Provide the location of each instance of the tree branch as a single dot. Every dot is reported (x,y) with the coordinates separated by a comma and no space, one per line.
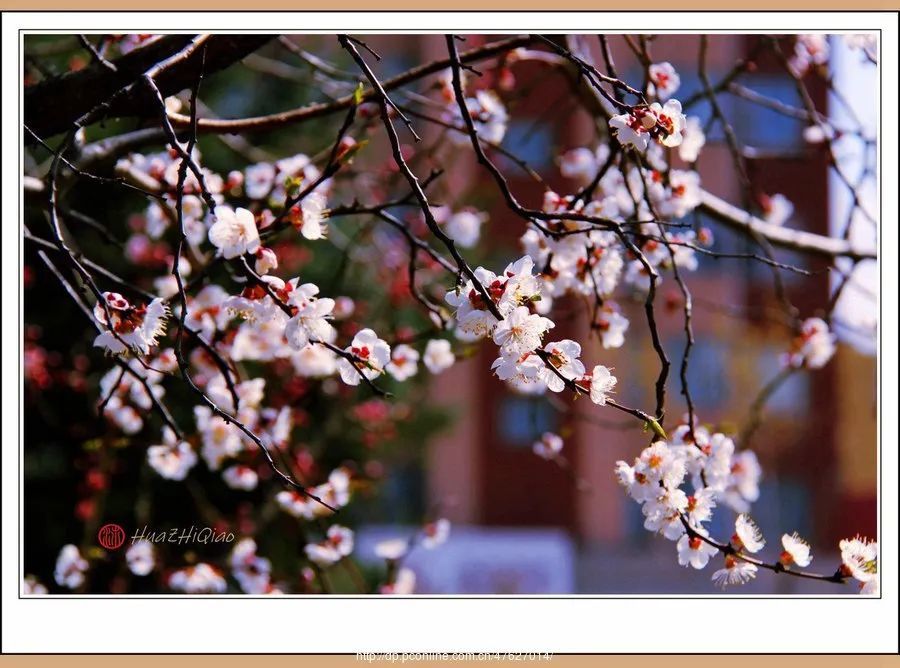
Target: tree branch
(783,237)
(87,88)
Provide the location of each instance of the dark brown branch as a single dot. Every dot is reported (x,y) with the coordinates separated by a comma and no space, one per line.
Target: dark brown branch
(319,110)
(87,88)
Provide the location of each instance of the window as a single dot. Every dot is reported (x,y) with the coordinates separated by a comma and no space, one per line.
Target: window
(530,140)
(762,127)
(522,420)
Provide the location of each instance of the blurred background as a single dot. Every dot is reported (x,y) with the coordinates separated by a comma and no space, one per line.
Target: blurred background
(459,445)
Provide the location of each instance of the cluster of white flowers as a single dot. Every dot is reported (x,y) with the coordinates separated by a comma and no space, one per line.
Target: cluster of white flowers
(127,398)
(272,183)
(714,473)
(233,231)
(159,172)
(515,287)
(587,263)
(810,51)
(393,550)
(31,586)
(748,539)
(524,361)
(335,492)
(661,123)
(289,320)
(338,544)
(220,440)
(252,572)
(581,259)
(677,481)
(173,459)
(488,114)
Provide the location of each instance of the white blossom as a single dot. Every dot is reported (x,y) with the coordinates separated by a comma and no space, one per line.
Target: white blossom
(404,583)
(693,140)
(199,579)
(31,586)
(665,79)
(392,549)
(341,538)
(259,180)
(404,362)
(234,233)
(612,326)
(312,215)
(371,355)
(310,319)
(240,477)
(296,504)
(520,332)
(464,227)
(747,535)
(859,559)
(814,346)
(694,551)
(633,129)
(700,505)
(736,572)
(330,551)
(438,356)
(796,551)
(266,261)
(670,122)
(659,463)
(777,209)
(127,327)
(548,447)
(70,568)
(662,514)
(602,384)
(173,459)
(250,570)
(140,557)
(435,533)
(563,364)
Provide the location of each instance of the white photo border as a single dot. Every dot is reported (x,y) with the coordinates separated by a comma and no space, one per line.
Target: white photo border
(528,623)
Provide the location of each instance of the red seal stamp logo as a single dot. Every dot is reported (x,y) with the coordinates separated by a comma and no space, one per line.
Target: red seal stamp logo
(111,536)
